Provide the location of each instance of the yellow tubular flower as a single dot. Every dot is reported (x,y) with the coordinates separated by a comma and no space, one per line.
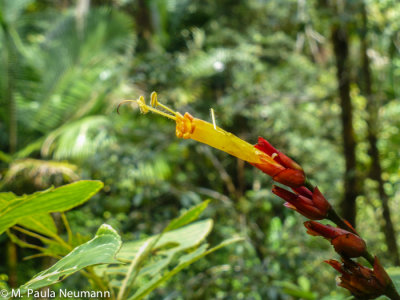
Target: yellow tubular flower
(188,127)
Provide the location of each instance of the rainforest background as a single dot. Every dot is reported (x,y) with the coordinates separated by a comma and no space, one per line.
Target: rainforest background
(318,79)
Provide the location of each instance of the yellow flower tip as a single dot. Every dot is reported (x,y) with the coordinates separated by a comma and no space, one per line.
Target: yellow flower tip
(144,109)
(184,125)
(154,101)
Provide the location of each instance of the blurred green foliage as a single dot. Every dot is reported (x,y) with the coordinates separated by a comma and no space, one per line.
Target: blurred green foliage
(265,67)
(129,270)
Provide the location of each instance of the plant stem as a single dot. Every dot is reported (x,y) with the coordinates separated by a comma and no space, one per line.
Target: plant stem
(335,218)
(96,279)
(67,227)
(369,257)
(32,234)
(133,269)
(309,185)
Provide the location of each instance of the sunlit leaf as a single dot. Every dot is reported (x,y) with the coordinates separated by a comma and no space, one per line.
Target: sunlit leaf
(188,217)
(43,223)
(184,262)
(183,238)
(100,250)
(13,210)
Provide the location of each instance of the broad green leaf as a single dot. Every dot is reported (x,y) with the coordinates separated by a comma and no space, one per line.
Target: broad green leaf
(184,262)
(100,250)
(155,268)
(173,241)
(189,216)
(172,245)
(168,245)
(5,198)
(14,210)
(151,269)
(40,223)
(163,247)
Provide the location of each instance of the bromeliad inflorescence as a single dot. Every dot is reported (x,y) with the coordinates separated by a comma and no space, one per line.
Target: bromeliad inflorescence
(306,199)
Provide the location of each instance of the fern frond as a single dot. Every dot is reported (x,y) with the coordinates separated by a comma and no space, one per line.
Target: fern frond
(79,139)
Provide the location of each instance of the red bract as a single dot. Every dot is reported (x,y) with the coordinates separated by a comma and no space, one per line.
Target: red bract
(361,281)
(311,205)
(287,172)
(345,243)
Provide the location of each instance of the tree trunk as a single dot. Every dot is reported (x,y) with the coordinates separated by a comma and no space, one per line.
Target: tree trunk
(372,124)
(8,74)
(341,51)
(12,259)
(10,60)
(144,25)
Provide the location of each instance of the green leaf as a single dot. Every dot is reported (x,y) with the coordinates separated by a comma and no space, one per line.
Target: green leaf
(189,216)
(163,248)
(5,198)
(155,268)
(14,209)
(167,246)
(181,239)
(184,262)
(79,139)
(100,250)
(43,223)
